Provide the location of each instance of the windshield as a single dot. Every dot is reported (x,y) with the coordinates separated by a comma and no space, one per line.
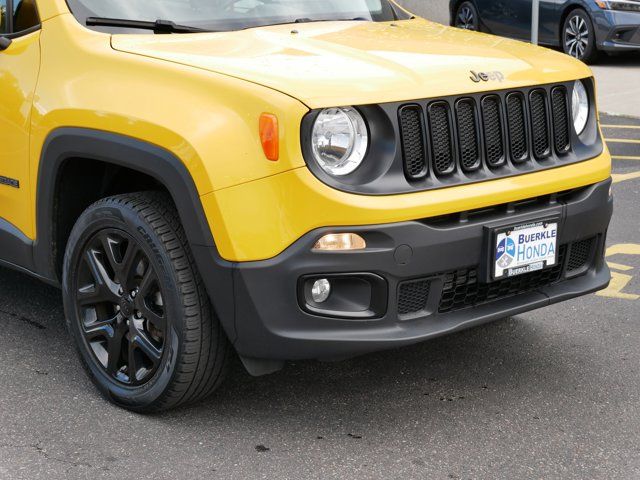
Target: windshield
(228,15)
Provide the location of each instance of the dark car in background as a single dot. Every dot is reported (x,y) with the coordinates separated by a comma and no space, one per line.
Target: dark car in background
(583,28)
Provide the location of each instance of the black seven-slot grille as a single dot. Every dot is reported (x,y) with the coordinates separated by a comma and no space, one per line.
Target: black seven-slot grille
(493,131)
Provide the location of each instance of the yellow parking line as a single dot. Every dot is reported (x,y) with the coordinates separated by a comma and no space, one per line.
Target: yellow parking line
(619,282)
(621,177)
(625,157)
(623,127)
(619,266)
(622,140)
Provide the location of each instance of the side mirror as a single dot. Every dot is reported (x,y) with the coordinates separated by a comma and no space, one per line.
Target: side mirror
(5,43)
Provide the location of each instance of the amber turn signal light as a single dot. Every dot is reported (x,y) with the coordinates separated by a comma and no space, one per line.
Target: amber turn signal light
(270,136)
(336,242)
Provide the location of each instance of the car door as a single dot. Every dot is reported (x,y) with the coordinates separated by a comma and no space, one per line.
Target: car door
(498,16)
(521,17)
(19,67)
(550,19)
(512,18)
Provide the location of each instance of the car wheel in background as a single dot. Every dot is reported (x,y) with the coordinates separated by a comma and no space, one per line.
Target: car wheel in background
(579,38)
(467,17)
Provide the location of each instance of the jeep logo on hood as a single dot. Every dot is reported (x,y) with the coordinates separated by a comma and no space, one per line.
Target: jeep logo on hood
(486,76)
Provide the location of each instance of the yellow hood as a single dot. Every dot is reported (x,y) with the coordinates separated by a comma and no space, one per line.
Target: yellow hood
(355,63)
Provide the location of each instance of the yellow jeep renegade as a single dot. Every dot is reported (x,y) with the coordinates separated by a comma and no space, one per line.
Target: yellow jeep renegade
(286,179)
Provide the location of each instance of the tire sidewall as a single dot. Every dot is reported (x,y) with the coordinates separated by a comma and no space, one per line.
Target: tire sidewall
(94,219)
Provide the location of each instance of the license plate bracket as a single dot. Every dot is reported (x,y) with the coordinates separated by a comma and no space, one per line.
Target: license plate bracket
(522,248)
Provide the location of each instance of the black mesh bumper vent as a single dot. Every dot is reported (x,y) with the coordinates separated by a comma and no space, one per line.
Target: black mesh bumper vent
(413,296)
(462,288)
(441,135)
(580,256)
(413,142)
(561,132)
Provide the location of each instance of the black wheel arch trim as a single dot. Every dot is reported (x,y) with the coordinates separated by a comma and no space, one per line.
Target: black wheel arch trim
(67,143)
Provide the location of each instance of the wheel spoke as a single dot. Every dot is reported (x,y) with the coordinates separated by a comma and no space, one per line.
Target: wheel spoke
(148,280)
(132,364)
(158,320)
(115,349)
(105,289)
(126,269)
(575,24)
(144,344)
(92,295)
(108,244)
(101,328)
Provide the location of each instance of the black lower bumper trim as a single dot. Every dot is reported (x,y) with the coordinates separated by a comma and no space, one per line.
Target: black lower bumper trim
(270,323)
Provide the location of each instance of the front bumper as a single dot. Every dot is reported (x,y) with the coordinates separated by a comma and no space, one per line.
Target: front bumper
(618,31)
(444,252)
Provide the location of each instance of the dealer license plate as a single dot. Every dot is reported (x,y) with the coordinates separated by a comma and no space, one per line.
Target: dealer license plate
(525,248)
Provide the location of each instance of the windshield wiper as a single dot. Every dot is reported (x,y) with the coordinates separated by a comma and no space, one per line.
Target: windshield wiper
(311,20)
(159,26)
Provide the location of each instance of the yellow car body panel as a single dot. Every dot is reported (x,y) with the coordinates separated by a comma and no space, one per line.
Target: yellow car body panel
(287,206)
(200,96)
(380,62)
(134,170)
(208,121)
(18,75)
(50,8)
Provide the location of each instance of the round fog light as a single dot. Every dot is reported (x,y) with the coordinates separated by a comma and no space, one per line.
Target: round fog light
(321,290)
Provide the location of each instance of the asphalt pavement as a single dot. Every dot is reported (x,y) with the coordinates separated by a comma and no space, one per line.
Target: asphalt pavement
(550,394)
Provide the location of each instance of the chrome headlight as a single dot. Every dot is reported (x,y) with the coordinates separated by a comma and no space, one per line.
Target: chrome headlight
(580,107)
(339,140)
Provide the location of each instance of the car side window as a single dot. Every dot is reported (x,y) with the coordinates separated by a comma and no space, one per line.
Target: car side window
(3,16)
(25,15)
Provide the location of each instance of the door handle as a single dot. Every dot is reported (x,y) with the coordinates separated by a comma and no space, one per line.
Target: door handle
(5,42)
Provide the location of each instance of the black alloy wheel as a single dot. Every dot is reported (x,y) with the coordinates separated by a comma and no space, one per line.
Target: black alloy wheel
(136,307)
(578,37)
(121,307)
(467,17)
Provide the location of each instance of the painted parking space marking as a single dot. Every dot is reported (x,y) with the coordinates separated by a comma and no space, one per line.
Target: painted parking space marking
(618,288)
(623,140)
(621,127)
(623,177)
(622,135)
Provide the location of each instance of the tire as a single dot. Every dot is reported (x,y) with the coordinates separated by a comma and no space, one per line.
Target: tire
(136,307)
(579,37)
(467,17)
